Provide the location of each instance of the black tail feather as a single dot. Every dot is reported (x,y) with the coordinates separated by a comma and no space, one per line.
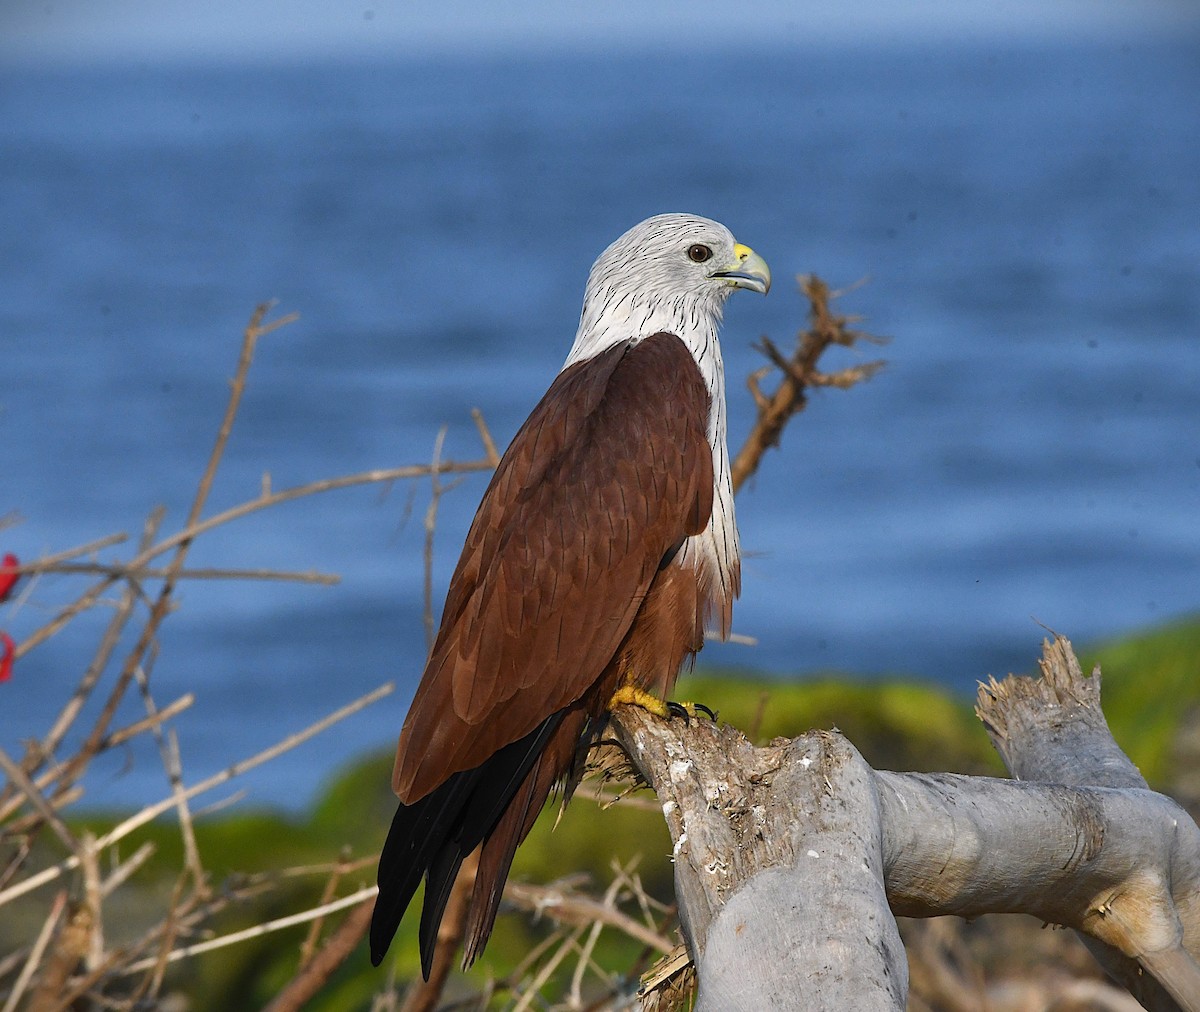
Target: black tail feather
(439,883)
(431,837)
(418,832)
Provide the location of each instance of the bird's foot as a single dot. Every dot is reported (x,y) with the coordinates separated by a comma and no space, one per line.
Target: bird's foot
(689,710)
(664,708)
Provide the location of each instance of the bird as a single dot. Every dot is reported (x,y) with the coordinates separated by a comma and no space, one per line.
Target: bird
(605,541)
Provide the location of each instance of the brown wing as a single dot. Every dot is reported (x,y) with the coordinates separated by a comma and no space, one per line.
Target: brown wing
(608,475)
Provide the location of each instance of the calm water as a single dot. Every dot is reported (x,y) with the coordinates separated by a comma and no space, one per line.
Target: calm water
(1029,222)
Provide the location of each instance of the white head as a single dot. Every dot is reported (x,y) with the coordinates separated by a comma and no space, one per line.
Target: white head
(672,272)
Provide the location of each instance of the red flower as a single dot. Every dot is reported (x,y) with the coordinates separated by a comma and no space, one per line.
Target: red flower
(9,575)
(6,656)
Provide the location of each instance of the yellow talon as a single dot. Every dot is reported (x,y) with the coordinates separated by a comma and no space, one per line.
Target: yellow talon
(666,709)
(634,696)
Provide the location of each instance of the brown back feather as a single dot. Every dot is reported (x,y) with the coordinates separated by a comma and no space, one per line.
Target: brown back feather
(607,475)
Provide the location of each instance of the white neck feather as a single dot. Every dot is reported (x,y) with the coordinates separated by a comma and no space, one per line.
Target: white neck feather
(608,320)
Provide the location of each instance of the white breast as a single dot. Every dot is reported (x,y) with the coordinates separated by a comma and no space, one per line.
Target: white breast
(717,549)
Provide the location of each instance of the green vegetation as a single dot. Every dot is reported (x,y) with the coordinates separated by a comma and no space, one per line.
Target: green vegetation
(1151,684)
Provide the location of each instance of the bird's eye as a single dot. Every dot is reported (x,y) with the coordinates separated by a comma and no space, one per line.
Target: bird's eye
(699,253)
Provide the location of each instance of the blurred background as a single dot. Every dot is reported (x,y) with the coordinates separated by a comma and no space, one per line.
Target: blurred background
(1017,188)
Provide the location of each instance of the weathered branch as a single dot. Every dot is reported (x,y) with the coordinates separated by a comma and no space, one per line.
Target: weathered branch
(778,866)
(787,857)
(1052,729)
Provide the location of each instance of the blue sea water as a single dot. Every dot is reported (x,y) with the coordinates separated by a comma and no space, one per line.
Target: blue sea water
(1025,221)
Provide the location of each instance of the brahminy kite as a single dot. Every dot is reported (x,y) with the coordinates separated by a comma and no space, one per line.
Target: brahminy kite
(603,542)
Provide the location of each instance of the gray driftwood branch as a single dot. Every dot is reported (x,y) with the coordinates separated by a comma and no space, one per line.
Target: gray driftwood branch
(791,860)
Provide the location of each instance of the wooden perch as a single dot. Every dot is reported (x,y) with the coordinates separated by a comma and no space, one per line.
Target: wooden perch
(791,860)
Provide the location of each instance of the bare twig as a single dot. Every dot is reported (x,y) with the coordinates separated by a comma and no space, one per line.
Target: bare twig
(575,994)
(305,985)
(262,502)
(437,490)
(799,372)
(571,907)
(485,436)
(309,946)
(115,738)
(171,926)
(123,734)
(17,776)
(45,562)
(254,330)
(39,752)
(237,769)
(69,949)
(93,898)
(168,748)
(191,849)
(81,963)
(258,930)
(123,871)
(430,526)
(570,943)
(121,572)
(36,953)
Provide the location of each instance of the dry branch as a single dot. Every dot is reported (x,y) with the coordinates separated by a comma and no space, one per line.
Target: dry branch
(1052,729)
(36,954)
(314,975)
(568,906)
(787,857)
(119,572)
(255,329)
(278,924)
(82,961)
(150,812)
(265,500)
(70,947)
(797,374)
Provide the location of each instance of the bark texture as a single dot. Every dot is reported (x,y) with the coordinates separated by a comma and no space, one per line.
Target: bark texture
(791,859)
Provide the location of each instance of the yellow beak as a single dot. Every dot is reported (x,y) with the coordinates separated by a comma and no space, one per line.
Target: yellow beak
(748,270)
